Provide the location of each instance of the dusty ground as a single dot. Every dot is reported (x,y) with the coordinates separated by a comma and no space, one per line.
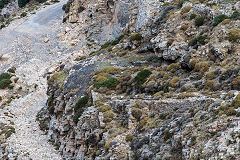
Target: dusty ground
(31,45)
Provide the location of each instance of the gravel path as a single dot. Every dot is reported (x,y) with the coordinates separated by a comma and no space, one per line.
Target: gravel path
(22,44)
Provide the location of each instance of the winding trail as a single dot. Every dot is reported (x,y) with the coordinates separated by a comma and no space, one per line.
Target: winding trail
(22,44)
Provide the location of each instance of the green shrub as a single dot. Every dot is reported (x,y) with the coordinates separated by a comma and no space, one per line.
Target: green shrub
(105,45)
(2,26)
(218,19)
(142,76)
(5,83)
(192,16)
(109,83)
(180,3)
(201,39)
(11,70)
(3,3)
(24,14)
(199,21)
(22,3)
(79,108)
(235,15)
(66,7)
(5,76)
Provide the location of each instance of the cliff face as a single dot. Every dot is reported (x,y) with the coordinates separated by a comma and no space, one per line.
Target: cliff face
(162,81)
(108,19)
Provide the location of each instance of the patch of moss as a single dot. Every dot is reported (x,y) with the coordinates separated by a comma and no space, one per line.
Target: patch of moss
(142,76)
(218,19)
(109,83)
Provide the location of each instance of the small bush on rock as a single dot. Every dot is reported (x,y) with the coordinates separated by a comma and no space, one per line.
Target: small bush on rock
(218,19)
(79,108)
(12,70)
(109,83)
(199,21)
(112,43)
(5,83)
(66,7)
(3,3)
(192,16)
(5,76)
(180,3)
(142,76)
(22,3)
(235,15)
(24,14)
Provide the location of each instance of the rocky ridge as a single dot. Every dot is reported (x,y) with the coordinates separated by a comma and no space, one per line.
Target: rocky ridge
(160,81)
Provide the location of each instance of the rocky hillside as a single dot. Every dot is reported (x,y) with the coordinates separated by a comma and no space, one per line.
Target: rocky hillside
(155,80)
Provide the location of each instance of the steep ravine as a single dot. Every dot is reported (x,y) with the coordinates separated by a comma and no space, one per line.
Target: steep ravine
(31,46)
